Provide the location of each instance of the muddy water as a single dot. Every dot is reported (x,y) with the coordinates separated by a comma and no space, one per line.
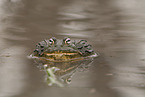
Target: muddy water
(114,28)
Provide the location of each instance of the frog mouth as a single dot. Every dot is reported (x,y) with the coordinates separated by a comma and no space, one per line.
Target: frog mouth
(61,56)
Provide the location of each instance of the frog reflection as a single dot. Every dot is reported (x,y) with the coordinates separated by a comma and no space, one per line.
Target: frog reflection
(62,72)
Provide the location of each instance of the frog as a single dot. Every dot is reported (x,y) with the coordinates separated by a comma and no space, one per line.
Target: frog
(63,50)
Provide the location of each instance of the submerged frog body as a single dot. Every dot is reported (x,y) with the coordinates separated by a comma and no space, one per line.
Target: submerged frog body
(56,50)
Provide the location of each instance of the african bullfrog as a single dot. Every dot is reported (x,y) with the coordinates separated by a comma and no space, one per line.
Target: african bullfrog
(64,50)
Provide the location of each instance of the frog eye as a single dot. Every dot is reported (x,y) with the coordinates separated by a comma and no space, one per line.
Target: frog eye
(67,41)
(52,40)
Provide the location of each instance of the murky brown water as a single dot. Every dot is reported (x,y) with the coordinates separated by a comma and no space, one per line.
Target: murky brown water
(115,28)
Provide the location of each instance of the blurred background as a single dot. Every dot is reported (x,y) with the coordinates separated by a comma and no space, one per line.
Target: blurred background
(115,29)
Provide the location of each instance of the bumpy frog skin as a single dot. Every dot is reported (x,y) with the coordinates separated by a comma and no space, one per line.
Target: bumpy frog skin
(56,50)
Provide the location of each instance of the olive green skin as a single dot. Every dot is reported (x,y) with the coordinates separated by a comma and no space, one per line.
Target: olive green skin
(65,45)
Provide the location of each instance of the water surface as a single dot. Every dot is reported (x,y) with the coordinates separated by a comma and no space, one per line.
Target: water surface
(114,28)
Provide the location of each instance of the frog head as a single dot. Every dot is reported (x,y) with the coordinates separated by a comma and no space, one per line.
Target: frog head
(63,50)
